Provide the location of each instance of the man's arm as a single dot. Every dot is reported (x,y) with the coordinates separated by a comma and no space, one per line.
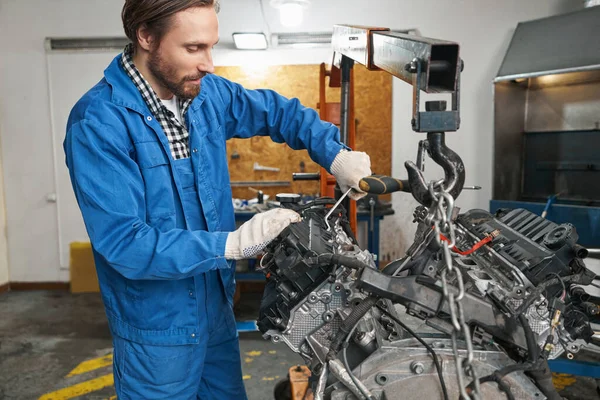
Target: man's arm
(266,113)
(110,191)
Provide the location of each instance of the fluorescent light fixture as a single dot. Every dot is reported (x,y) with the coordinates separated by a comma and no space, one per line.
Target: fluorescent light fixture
(291,12)
(250,41)
(301,40)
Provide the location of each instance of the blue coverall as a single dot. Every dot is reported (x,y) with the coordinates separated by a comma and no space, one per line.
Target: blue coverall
(158,226)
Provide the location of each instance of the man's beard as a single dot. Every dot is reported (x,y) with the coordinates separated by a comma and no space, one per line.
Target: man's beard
(164,73)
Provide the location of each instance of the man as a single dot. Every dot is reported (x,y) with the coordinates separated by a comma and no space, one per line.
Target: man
(147,159)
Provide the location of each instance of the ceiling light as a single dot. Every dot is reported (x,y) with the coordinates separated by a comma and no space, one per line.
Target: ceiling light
(301,40)
(250,41)
(291,12)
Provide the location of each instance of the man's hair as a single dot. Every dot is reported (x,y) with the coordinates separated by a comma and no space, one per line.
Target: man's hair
(156,15)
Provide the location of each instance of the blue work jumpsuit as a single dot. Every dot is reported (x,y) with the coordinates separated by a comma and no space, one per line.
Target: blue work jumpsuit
(158,226)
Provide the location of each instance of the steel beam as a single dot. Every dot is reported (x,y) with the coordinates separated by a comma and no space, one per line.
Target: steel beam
(398,53)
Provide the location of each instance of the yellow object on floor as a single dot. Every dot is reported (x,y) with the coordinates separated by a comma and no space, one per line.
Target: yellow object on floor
(82,268)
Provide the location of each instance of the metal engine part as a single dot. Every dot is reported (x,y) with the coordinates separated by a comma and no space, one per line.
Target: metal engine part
(303,304)
(406,367)
(318,277)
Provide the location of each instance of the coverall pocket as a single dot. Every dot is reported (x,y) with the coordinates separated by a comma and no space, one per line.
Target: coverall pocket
(155,366)
(216,162)
(158,179)
(150,155)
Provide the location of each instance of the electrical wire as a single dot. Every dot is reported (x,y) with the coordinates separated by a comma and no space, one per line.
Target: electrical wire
(595,285)
(475,247)
(429,349)
(527,302)
(564,294)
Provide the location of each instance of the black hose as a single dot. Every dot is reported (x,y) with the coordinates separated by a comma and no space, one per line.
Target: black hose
(436,361)
(543,379)
(501,385)
(357,313)
(505,388)
(501,373)
(532,347)
(533,354)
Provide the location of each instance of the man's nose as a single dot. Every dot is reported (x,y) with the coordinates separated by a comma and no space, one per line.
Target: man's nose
(207,64)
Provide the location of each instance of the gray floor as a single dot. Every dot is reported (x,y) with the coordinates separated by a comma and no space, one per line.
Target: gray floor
(45,335)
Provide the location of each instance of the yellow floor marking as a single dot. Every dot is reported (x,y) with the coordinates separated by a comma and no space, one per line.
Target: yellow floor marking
(272,351)
(254,353)
(561,381)
(246,377)
(80,389)
(248,360)
(90,365)
(268,378)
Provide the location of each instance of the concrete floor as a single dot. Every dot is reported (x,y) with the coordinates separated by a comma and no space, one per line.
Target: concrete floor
(46,335)
(56,346)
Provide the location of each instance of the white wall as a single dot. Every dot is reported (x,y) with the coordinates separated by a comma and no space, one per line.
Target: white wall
(482,27)
(3,243)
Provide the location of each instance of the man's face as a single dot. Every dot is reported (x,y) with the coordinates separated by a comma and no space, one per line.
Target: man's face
(184,55)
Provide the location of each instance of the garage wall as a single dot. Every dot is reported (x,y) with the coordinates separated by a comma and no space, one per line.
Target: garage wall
(482,27)
(3,243)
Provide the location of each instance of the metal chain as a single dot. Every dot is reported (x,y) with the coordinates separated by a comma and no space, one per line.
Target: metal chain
(440,216)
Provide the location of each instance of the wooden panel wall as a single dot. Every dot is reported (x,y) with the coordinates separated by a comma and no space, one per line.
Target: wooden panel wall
(373,98)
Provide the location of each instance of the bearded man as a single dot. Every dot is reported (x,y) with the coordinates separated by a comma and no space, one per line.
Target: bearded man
(146,152)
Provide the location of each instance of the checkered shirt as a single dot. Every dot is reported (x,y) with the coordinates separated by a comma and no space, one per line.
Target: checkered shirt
(176,132)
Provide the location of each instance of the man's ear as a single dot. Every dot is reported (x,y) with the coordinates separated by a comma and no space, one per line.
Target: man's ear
(145,39)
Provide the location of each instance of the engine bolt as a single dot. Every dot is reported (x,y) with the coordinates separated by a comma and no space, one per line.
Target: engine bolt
(417,367)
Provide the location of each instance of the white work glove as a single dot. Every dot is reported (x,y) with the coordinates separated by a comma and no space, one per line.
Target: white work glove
(254,235)
(349,167)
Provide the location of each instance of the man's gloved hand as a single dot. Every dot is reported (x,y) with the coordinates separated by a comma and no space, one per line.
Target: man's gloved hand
(349,167)
(254,235)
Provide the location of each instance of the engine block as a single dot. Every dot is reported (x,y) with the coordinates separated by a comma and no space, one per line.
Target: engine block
(513,263)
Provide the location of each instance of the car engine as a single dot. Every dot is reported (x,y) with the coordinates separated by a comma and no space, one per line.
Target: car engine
(327,301)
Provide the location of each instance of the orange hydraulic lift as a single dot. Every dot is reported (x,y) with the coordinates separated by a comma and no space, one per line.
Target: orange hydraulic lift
(331,112)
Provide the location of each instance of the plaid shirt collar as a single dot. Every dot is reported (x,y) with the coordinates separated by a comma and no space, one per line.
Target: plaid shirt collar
(144,87)
(176,132)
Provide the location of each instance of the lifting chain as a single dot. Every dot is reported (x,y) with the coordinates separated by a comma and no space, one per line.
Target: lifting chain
(440,216)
